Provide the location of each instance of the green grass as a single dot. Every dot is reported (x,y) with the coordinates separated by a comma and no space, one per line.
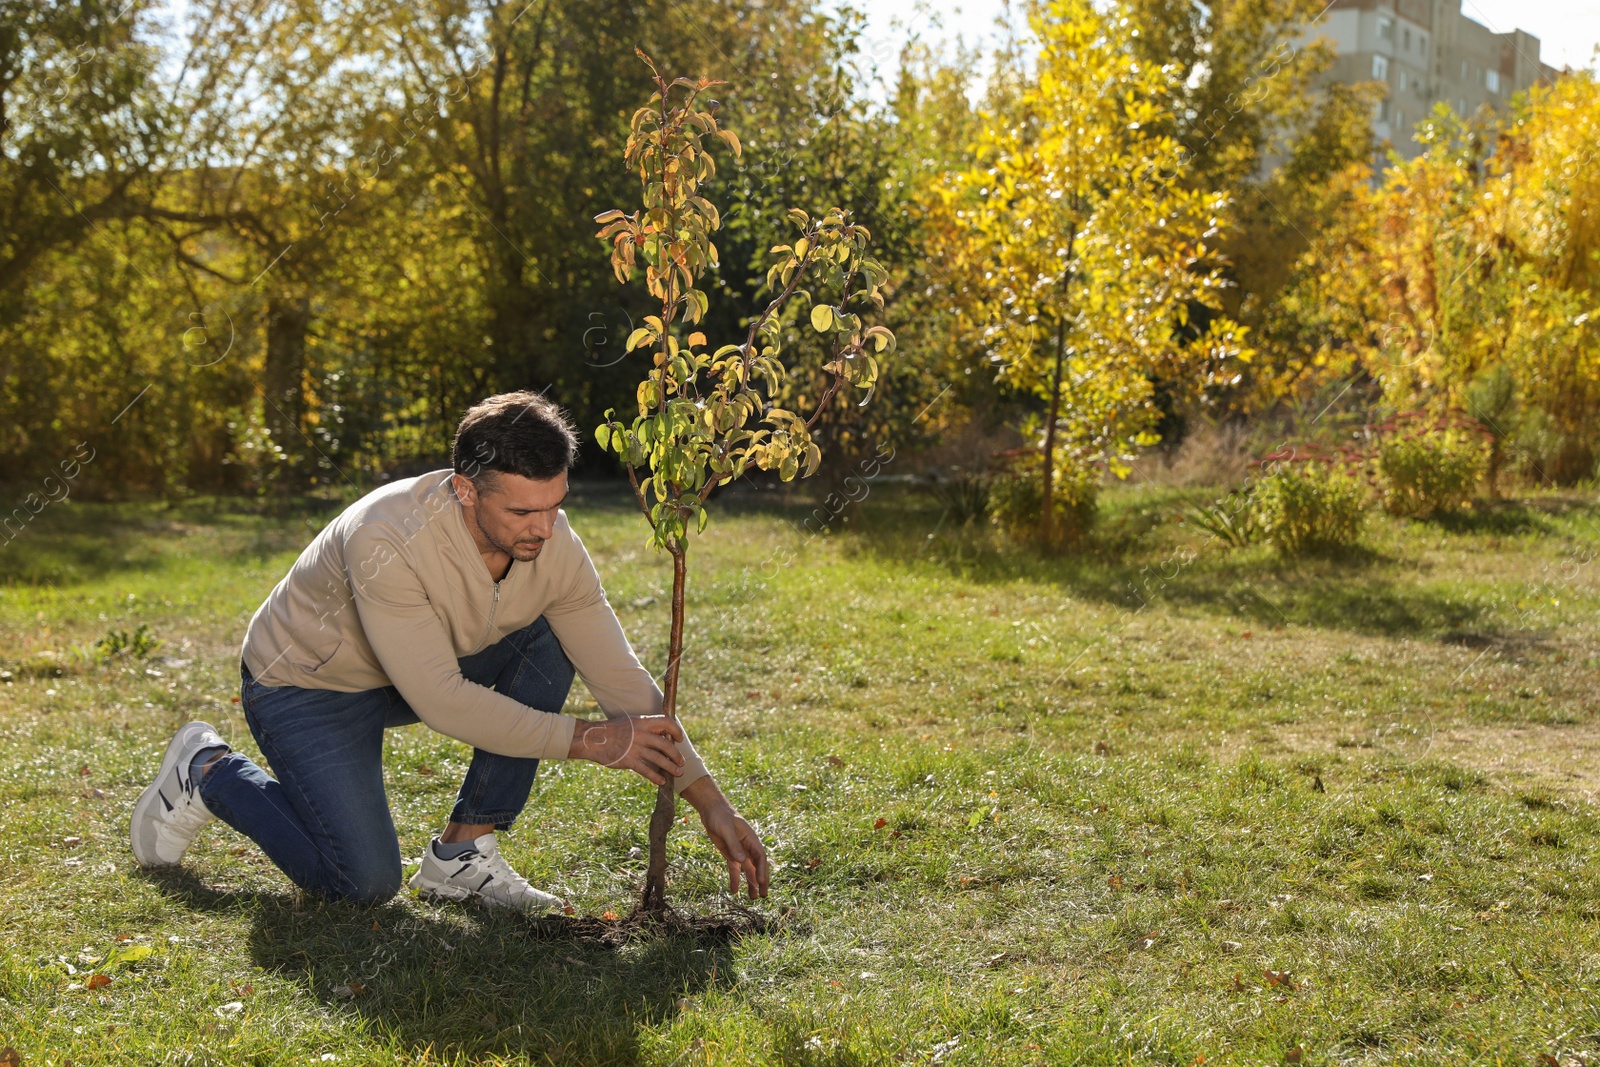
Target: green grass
(1114,791)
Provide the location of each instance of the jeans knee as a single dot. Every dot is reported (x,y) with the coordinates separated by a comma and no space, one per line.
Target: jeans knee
(368,883)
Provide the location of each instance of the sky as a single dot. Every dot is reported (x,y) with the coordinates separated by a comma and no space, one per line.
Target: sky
(1568,30)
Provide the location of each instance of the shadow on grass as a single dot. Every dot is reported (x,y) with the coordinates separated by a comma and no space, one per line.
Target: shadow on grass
(466,981)
(74,542)
(1356,590)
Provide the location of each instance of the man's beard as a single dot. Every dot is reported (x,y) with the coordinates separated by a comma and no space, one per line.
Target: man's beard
(521,555)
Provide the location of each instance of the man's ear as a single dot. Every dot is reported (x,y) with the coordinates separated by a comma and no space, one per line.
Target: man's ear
(466,491)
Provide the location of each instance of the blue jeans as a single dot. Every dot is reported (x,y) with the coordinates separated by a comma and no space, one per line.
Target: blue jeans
(325,820)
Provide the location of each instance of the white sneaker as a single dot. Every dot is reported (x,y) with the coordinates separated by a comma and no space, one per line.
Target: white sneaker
(170,812)
(480,874)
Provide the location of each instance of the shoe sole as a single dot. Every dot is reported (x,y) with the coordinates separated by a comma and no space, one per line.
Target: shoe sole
(459,895)
(152,796)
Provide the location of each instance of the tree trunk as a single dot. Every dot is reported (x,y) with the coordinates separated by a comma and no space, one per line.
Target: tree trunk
(654,901)
(1492,473)
(282,379)
(1047,498)
(1047,495)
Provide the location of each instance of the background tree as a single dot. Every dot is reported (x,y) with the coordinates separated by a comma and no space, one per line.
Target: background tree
(705,415)
(1078,257)
(1468,267)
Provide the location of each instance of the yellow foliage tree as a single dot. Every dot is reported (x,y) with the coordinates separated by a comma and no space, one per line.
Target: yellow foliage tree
(1467,265)
(1077,262)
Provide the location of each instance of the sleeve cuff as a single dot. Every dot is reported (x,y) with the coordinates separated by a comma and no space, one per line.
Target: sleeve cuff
(560,741)
(692,773)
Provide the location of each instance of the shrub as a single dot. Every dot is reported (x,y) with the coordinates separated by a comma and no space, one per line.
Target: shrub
(1311,507)
(1232,520)
(1433,472)
(964,497)
(1014,503)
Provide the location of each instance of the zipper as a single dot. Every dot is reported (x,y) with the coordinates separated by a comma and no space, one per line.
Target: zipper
(488,630)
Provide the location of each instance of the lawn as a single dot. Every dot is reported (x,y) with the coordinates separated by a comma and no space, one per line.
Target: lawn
(1164,802)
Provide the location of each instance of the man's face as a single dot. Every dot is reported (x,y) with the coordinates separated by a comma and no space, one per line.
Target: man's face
(513,514)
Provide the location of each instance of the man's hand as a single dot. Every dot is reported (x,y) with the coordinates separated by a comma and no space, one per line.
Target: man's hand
(734,837)
(643,743)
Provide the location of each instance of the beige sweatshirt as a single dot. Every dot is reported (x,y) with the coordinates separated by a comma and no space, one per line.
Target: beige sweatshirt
(393,592)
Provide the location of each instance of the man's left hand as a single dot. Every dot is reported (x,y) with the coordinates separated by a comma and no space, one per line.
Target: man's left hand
(734,837)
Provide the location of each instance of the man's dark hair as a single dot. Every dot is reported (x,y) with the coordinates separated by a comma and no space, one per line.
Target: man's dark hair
(514,433)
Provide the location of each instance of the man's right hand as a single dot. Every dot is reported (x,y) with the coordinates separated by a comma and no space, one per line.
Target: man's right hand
(646,744)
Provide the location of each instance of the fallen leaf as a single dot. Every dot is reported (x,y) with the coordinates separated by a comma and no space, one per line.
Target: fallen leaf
(1546,1060)
(84,770)
(1245,635)
(880,824)
(349,990)
(836,761)
(812,865)
(424,769)
(1115,881)
(96,981)
(1102,748)
(609,916)
(235,700)
(1102,807)
(1231,946)
(120,957)
(374,924)
(1283,978)
(569,910)
(10,1057)
(1238,984)
(1294,1054)
(1148,939)
(753,694)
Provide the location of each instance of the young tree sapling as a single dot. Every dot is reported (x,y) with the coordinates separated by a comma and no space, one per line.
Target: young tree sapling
(706,415)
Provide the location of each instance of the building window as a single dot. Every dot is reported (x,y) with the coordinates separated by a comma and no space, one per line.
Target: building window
(1400,120)
(1385,28)
(1404,85)
(1405,41)
(1422,44)
(1464,70)
(1380,68)
(1494,81)
(1383,111)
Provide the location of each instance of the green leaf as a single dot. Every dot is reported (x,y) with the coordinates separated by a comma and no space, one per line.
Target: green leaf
(602,435)
(127,954)
(822,318)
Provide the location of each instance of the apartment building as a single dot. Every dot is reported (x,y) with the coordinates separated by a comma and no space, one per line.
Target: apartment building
(1427,51)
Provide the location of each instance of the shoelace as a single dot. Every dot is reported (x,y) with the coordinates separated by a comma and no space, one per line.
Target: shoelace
(507,884)
(189,814)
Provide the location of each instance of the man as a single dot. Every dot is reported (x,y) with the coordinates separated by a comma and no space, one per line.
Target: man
(462,599)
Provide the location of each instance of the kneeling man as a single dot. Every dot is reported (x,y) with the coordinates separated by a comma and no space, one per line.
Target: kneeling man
(462,599)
